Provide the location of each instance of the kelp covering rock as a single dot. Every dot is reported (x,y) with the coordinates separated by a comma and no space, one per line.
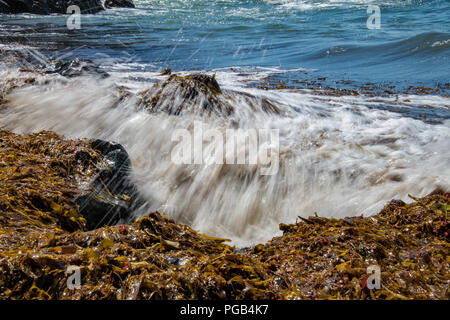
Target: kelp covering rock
(42,233)
(39,175)
(50,181)
(43,236)
(197,94)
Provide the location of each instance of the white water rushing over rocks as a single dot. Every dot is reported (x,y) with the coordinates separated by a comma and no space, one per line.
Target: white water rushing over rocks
(339,156)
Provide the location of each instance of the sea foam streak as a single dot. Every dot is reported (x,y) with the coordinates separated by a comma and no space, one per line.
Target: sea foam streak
(339,156)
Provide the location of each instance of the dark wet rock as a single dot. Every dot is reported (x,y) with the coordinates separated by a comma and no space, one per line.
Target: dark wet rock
(31,60)
(49,6)
(119,164)
(99,209)
(197,93)
(4,7)
(75,67)
(112,196)
(119,4)
(175,261)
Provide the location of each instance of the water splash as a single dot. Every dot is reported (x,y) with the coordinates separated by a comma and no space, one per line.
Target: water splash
(339,156)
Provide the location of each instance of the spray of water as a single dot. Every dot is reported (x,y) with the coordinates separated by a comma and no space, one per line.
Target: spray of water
(339,156)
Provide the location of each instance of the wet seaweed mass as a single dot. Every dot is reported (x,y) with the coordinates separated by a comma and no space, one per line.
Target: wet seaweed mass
(42,233)
(90,109)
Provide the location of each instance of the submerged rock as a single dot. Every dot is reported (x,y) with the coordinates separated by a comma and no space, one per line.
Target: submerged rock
(29,60)
(75,67)
(49,6)
(119,4)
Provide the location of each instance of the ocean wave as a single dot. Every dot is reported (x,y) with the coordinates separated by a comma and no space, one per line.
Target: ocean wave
(428,42)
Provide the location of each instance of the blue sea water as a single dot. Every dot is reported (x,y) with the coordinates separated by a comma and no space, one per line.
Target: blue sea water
(411,47)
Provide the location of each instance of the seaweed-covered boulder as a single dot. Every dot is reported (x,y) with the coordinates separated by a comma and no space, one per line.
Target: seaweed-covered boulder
(75,67)
(111,195)
(49,6)
(49,182)
(40,174)
(199,94)
(119,4)
(196,93)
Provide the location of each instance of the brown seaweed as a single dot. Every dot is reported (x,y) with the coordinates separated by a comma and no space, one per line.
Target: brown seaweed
(42,234)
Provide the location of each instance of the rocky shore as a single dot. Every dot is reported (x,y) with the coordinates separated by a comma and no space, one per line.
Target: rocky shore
(61,7)
(44,233)
(69,204)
